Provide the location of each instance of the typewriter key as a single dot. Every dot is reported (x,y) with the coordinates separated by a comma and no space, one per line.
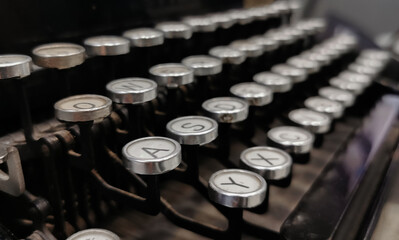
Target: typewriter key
(350,76)
(253,54)
(83,108)
(203,33)
(361,69)
(269,48)
(346,98)
(302,63)
(152,155)
(295,74)
(106,46)
(94,234)
(323,105)
(133,92)
(226,109)
(333,54)
(353,87)
(272,164)
(192,132)
(147,45)
(371,63)
(276,82)
(323,60)
(206,69)
(236,188)
(232,68)
(58,55)
(253,93)
(61,57)
(177,43)
(375,54)
(315,122)
(294,140)
(171,75)
(144,37)
(14,66)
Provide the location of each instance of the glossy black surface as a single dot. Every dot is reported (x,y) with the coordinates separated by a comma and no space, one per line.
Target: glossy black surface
(329,201)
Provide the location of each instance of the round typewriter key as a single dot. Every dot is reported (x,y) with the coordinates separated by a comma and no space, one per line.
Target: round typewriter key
(333,54)
(14,66)
(353,87)
(376,54)
(83,108)
(302,63)
(58,55)
(175,30)
(192,130)
(250,49)
(294,140)
(106,46)
(350,76)
(236,188)
(206,70)
(315,122)
(323,105)
(371,63)
(253,93)
(276,82)
(95,234)
(269,46)
(204,33)
(323,60)
(295,74)
(144,37)
(232,68)
(271,163)
(361,69)
(203,65)
(133,92)
(226,109)
(346,98)
(171,75)
(177,43)
(152,155)
(228,55)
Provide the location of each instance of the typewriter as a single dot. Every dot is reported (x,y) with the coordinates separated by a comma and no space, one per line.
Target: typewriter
(190,120)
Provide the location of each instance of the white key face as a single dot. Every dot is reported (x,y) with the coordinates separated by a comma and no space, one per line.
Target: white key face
(275,81)
(131,85)
(202,61)
(225,105)
(375,54)
(302,63)
(58,50)
(94,234)
(170,70)
(249,48)
(336,94)
(106,41)
(173,27)
(354,87)
(290,135)
(265,157)
(250,90)
(370,63)
(308,117)
(9,60)
(150,149)
(192,125)
(266,43)
(237,182)
(363,69)
(88,102)
(324,105)
(296,74)
(143,33)
(355,77)
(228,54)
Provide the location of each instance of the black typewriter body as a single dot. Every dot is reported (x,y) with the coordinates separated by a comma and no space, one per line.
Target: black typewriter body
(75,175)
